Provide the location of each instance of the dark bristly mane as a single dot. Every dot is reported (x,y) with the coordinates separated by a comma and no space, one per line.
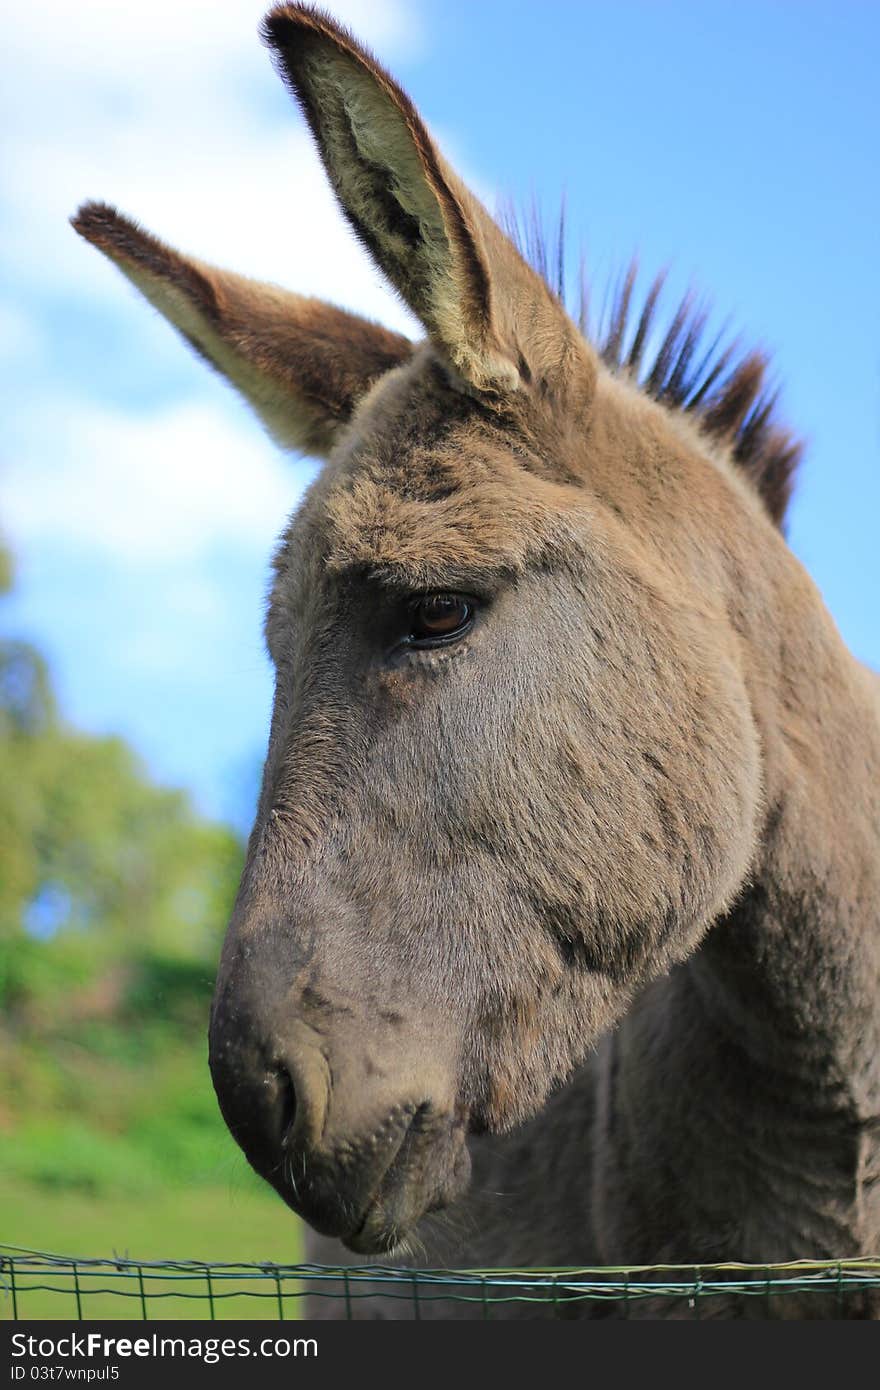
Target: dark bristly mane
(724,389)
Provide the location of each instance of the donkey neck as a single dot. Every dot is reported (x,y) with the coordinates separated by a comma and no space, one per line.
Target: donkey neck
(794,968)
(745,1086)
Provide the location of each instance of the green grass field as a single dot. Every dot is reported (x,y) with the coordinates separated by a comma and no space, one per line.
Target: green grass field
(114,893)
(224,1223)
(112,1146)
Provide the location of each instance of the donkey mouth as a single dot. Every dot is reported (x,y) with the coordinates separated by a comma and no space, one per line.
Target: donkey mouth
(375,1235)
(426,1167)
(403,1199)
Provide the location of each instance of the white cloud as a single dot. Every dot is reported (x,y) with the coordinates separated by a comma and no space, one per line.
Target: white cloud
(125,45)
(20,338)
(174,114)
(149,489)
(144,533)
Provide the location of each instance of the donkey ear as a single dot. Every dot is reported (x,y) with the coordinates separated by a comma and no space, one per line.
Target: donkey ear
(302,364)
(493,318)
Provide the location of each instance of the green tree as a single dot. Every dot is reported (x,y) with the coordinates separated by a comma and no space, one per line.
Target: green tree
(114,895)
(90,848)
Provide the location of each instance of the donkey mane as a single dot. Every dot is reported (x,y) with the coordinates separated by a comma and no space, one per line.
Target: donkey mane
(724,390)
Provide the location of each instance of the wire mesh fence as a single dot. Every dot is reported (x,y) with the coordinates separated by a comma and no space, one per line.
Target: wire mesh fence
(38,1284)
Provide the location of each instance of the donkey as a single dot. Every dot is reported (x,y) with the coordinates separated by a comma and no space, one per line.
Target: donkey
(559,913)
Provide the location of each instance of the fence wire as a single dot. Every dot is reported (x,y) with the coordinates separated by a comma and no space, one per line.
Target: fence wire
(39,1284)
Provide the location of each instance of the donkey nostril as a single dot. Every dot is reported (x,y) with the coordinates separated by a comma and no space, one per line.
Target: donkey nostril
(280,1083)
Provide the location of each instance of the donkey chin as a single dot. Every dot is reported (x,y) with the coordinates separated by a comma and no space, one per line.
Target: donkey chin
(371,1193)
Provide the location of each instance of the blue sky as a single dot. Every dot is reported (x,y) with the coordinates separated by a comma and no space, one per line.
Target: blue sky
(735,143)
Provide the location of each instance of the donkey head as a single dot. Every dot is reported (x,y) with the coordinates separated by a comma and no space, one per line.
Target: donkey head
(512,772)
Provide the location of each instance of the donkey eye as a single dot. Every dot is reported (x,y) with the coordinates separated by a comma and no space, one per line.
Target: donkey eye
(438,618)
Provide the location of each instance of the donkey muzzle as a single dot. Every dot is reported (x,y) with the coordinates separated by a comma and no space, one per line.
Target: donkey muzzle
(356,1127)
(372,1188)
